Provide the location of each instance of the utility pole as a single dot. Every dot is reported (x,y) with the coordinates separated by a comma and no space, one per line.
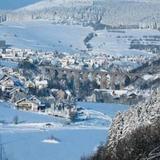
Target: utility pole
(1,149)
(3,155)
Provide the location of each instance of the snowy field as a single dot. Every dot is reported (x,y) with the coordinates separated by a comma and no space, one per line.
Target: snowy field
(28,140)
(43,35)
(117,42)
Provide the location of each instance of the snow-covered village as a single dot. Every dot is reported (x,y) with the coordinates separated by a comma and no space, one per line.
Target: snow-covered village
(79,80)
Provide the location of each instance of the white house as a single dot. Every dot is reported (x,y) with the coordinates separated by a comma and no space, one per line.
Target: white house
(40,84)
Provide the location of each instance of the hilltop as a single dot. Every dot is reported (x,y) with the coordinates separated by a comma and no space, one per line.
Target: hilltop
(121,13)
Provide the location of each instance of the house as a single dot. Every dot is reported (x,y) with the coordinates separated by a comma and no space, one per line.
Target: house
(46,102)
(61,94)
(2,75)
(41,104)
(56,62)
(16,94)
(63,109)
(40,84)
(132,96)
(68,95)
(34,99)
(26,104)
(6,83)
(29,84)
(91,98)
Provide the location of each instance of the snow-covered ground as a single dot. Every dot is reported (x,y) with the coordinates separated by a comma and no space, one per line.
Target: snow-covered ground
(46,4)
(44,35)
(117,42)
(30,138)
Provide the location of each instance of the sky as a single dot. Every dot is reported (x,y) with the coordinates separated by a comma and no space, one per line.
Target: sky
(14,4)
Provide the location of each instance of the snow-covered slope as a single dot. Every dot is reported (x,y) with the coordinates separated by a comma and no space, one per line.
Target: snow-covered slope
(60,11)
(15,4)
(70,38)
(115,13)
(46,4)
(109,12)
(135,133)
(53,3)
(62,38)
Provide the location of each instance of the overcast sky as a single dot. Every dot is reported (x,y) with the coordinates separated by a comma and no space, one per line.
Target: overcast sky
(13,4)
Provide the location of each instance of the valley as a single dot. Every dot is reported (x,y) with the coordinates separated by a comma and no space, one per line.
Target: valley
(75,74)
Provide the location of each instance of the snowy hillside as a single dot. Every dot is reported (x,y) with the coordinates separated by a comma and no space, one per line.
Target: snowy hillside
(72,3)
(10,4)
(43,35)
(46,4)
(134,134)
(91,12)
